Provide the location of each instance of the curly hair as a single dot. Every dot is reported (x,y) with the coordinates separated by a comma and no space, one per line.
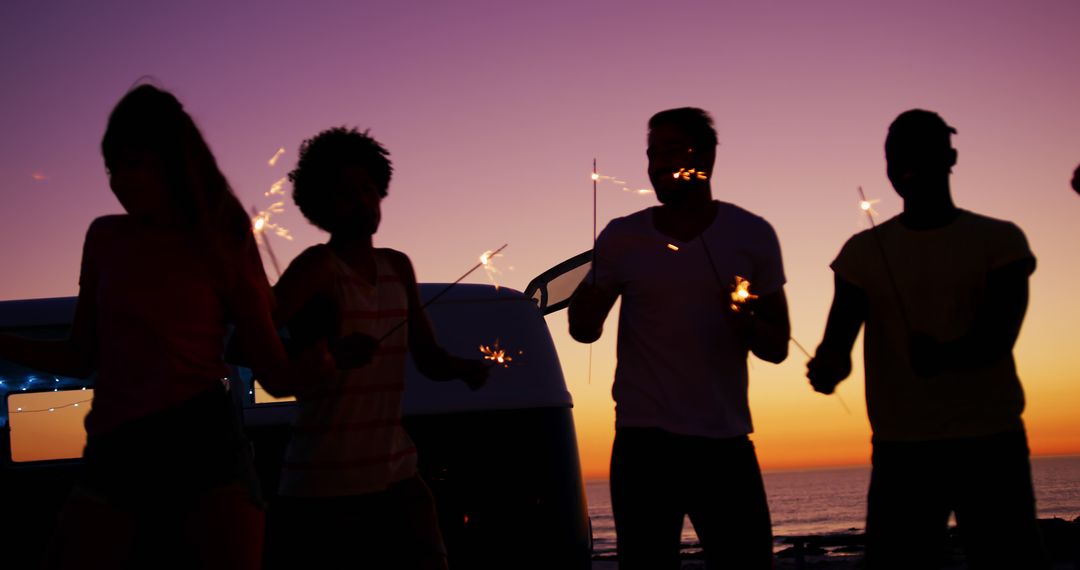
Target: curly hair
(321,159)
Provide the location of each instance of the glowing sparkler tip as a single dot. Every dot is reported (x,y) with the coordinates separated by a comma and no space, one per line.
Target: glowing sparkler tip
(741,294)
(673,247)
(595,176)
(496,354)
(865,205)
(677,174)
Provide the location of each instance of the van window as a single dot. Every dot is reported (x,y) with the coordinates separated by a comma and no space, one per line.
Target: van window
(48,425)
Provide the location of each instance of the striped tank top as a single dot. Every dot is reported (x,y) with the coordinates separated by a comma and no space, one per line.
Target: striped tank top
(347,438)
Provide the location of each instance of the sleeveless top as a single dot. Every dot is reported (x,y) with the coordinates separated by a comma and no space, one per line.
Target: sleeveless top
(347,438)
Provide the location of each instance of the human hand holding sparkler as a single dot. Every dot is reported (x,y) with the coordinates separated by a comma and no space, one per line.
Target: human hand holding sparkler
(740,295)
(827,369)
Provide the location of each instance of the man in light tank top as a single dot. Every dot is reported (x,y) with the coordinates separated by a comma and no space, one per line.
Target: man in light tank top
(681,415)
(349,485)
(942,292)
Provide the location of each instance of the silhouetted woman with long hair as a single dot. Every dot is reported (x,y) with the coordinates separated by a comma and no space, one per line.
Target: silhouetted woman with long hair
(165,453)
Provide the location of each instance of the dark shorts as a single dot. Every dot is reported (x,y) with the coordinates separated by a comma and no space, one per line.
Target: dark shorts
(396,528)
(985,481)
(658,478)
(171,457)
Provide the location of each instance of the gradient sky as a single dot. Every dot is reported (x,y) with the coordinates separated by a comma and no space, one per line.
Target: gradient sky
(493,112)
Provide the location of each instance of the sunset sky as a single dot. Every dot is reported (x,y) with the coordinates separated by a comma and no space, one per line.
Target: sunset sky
(493,112)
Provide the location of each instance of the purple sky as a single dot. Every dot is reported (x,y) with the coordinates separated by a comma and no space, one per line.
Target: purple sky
(493,112)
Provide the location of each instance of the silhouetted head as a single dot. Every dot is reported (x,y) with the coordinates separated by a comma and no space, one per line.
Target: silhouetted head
(1076,180)
(160,167)
(919,152)
(681,140)
(340,179)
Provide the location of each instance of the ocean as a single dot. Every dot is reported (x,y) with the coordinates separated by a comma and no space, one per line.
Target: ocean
(830,501)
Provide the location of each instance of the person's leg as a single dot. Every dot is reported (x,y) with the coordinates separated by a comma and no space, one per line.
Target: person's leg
(907,510)
(648,520)
(418,540)
(725,498)
(91,533)
(995,503)
(225,526)
(297,532)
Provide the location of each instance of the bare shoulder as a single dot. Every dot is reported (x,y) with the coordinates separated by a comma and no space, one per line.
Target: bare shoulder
(312,267)
(400,262)
(314,258)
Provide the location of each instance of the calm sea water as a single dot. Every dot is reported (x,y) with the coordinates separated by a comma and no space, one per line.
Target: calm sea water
(834,500)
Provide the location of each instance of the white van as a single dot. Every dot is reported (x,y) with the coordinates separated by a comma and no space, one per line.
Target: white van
(502,462)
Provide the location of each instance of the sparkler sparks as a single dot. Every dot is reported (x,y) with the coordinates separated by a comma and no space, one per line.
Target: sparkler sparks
(488,263)
(690,174)
(622,184)
(867,205)
(277,188)
(673,247)
(261,221)
(741,294)
(273,159)
(39,177)
(497,354)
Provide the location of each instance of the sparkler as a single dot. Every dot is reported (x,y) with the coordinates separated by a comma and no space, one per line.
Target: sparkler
(485,258)
(487,262)
(260,219)
(866,206)
(497,354)
(741,294)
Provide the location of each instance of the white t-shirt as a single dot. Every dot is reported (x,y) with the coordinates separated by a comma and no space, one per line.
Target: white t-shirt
(680,367)
(941,278)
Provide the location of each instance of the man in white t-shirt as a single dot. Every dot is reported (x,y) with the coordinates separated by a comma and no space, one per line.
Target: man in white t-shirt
(681,415)
(942,292)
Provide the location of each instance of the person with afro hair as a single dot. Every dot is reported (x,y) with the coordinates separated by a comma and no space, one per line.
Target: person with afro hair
(349,483)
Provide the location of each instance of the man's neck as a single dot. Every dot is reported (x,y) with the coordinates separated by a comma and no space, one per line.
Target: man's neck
(351,246)
(686,220)
(929,208)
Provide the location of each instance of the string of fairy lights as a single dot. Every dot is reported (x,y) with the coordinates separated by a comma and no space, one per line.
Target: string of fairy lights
(33,384)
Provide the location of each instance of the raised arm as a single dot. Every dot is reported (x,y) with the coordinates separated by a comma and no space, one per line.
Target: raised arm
(832,360)
(251,304)
(431,359)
